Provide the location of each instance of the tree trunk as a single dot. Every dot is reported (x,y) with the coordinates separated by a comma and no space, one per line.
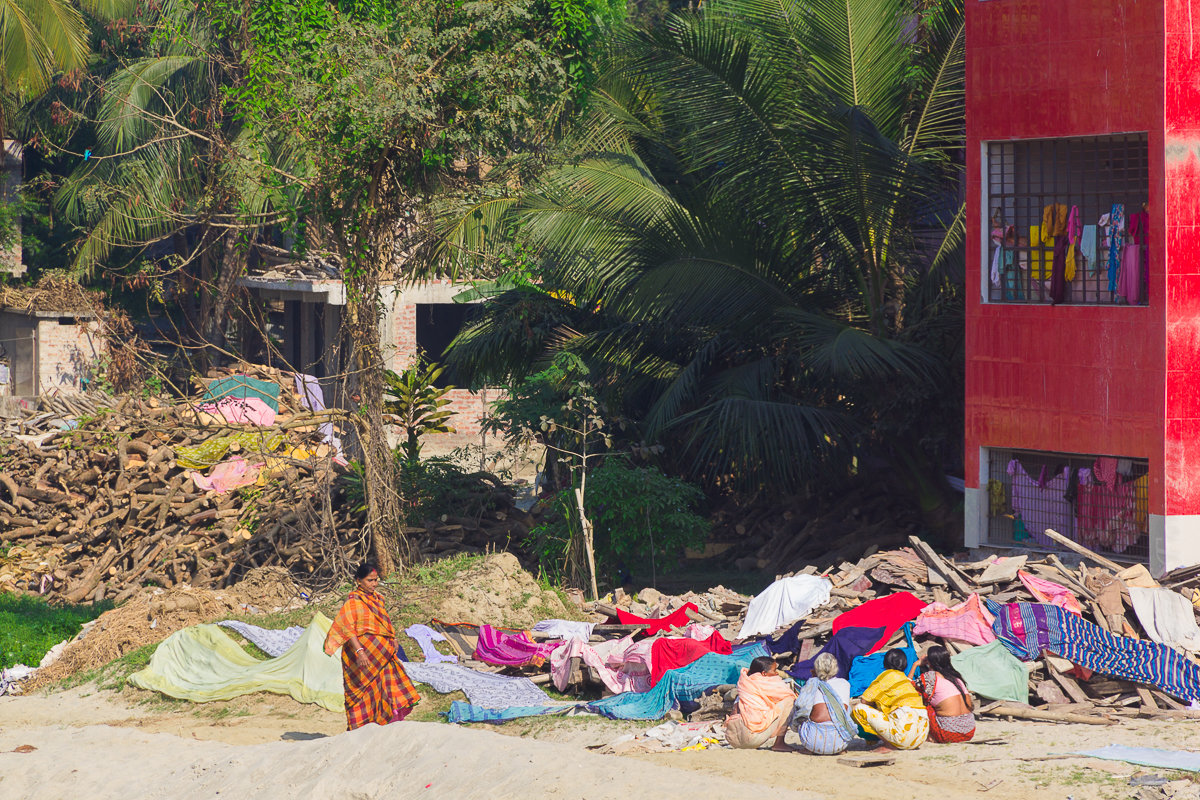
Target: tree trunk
(588,540)
(384,517)
(233,265)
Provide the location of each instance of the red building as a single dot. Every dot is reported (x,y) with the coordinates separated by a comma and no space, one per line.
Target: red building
(1083,333)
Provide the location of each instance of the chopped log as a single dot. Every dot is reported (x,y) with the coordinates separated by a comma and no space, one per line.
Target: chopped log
(1083,551)
(935,562)
(1009,709)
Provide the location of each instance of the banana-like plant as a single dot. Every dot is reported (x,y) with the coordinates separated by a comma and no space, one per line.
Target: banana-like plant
(414,402)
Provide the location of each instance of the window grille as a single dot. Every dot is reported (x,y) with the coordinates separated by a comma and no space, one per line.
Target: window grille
(1091,173)
(1100,502)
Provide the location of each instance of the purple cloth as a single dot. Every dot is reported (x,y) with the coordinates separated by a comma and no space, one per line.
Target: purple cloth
(510,649)
(312,397)
(845,645)
(788,641)
(1041,503)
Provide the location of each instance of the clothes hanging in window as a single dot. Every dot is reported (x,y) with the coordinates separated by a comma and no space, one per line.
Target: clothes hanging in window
(1041,503)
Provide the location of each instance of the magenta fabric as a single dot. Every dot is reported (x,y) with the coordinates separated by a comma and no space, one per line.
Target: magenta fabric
(510,649)
(889,613)
(1050,592)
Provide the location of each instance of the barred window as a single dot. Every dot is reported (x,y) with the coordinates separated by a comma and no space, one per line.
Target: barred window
(1035,188)
(1099,501)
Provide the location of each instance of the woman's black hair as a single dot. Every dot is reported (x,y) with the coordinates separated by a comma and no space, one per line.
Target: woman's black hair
(937,658)
(895,659)
(760,664)
(365,569)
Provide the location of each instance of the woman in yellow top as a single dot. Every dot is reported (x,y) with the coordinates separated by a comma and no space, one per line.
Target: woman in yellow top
(765,705)
(377,688)
(891,708)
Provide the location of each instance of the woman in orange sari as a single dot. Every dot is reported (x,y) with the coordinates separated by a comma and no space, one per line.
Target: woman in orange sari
(377,688)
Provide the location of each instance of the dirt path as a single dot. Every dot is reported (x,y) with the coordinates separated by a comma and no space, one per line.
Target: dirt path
(140,746)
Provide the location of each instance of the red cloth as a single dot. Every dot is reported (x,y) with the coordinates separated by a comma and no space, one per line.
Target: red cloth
(666,654)
(676,619)
(889,613)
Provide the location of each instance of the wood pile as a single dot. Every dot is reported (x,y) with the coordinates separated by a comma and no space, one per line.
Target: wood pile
(93,498)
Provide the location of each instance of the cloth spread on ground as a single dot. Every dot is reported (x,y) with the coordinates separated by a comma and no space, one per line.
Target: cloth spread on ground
(967,622)
(671,653)
(425,636)
(1167,616)
(845,645)
(483,689)
(226,476)
(888,613)
(1029,628)
(272,642)
(1050,592)
(685,683)
(461,712)
(566,629)
(312,397)
(783,602)
(866,669)
(1147,757)
(212,451)
(511,649)
(758,696)
(676,619)
(623,665)
(243,386)
(202,663)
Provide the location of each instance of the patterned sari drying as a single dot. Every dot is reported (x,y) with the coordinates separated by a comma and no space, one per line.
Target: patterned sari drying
(381,692)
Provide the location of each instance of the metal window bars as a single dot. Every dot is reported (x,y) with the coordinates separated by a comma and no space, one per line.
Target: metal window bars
(1026,176)
(1102,502)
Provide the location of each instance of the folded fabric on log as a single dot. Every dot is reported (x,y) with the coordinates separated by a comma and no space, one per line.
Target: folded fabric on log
(623,665)
(1028,629)
(888,613)
(511,649)
(669,654)
(966,622)
(676,619)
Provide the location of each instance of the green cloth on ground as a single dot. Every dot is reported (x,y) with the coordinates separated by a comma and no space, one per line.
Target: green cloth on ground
(208,453)
(202,663)
(243,386)
(993,672)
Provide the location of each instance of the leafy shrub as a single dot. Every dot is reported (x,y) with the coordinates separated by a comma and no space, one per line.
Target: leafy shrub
(29,626)
(642,517)
(429,487)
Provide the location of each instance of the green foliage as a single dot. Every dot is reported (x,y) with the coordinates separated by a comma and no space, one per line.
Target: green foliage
(643,520)
(413,402)
(29,626)
(428,488)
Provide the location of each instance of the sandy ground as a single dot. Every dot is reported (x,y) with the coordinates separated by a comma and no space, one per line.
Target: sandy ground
(101,744)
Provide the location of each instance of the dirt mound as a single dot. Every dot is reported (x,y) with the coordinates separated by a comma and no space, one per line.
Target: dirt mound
(154,615)
(498,591)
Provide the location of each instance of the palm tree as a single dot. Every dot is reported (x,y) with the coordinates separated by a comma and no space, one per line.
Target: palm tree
(39,38)
(738,226)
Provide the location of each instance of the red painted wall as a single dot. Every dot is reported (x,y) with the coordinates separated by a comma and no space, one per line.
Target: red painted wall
(1080,379)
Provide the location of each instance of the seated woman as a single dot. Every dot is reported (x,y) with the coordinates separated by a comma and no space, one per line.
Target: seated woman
(764,708)
(824,705)
(891,708)
(947,699)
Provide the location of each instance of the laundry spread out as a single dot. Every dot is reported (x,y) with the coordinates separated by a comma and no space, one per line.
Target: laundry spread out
(425,636)
(888,612)
(676,619)
(969,621)
(783,602)
(511,649)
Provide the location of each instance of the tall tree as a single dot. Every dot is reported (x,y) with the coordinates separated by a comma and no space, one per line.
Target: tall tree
(764,194)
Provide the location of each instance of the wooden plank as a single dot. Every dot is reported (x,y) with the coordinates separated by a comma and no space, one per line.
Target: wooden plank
(935,561)
(1002,571)
(867,760)
(1083,551)
(1068,685)
(1147,699)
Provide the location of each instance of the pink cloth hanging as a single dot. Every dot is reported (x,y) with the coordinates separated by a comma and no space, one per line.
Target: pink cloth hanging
(1050,592)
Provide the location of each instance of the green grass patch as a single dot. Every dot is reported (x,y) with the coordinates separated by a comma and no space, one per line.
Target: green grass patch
(113,674)
(29,626)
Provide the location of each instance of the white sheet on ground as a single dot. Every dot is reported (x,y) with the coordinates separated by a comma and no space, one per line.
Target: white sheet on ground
(783,602)
(1167,617)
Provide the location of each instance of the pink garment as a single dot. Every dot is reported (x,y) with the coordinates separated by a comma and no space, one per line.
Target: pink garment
(511,649)
(241,410)
(943,690)
(1074,226)
(1108,517)
(1050,592)
(1129,284)
(1040,502)
(226,476)
(969,621)
(623,665)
